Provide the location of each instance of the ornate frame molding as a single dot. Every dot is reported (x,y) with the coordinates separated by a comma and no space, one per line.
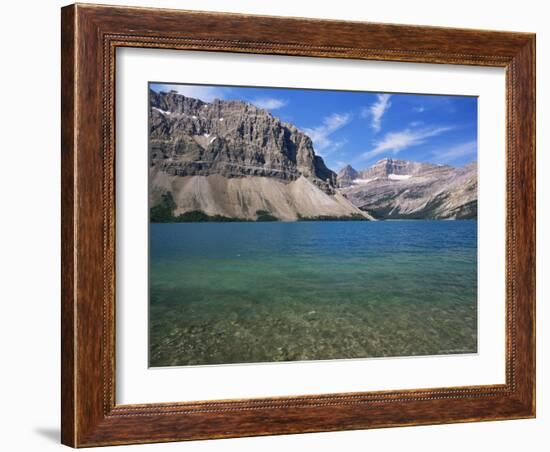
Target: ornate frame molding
(90,37)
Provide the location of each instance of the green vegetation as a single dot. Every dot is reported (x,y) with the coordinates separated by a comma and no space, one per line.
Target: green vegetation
(264,215)
(352,217)
(198,216)
(164,213)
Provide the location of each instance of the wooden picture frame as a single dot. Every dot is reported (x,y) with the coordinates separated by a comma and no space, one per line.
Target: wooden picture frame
(90,36)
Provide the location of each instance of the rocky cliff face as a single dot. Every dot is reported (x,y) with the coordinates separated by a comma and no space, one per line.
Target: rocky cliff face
(233,159)
(392,189)
(189,137)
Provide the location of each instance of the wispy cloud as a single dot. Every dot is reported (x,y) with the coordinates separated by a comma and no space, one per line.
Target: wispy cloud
(377,110)
(419,109)
(456,152)
(269,103)
(320,135)
(396,142)
(334,146)
(204,93)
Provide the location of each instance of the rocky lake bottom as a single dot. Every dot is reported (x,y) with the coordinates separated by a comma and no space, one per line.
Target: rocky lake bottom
(223,293)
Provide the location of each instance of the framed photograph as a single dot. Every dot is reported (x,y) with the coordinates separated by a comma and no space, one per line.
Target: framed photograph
(281,225)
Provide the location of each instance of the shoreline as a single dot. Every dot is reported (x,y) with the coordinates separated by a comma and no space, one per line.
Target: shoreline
(390,220)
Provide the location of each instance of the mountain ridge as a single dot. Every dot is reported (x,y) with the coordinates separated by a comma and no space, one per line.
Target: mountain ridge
(190,137)
(232,159)
(388,166)
(404,189)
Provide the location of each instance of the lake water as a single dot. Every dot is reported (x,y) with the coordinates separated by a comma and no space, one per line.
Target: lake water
(263,292)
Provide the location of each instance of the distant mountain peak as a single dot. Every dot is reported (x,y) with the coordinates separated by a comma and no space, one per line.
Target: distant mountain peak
(389,168)
(346,176)
(392,188)
(348,169)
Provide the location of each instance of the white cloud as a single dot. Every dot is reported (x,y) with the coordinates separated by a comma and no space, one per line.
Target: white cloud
(377,110)
(419,109)
(333,147)
(456,152)
(395,142)
(320,135)
(269,103)
(204,93)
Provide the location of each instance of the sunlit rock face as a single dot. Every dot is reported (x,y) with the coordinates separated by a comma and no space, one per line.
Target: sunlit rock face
(189,137)
(393,189)
(234,159)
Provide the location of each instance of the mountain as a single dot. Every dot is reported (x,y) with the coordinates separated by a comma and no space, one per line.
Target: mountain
(403,169)
(234,160)
(231,160)
(392,189)
(346,176)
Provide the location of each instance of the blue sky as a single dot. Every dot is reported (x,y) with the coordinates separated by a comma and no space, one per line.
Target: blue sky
(359,128)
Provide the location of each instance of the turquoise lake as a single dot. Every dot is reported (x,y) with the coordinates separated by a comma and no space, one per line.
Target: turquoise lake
(225,293)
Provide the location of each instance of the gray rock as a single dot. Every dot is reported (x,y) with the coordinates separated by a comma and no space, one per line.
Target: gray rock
(392,189)
(189,137)
(232,158)
(346,176)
